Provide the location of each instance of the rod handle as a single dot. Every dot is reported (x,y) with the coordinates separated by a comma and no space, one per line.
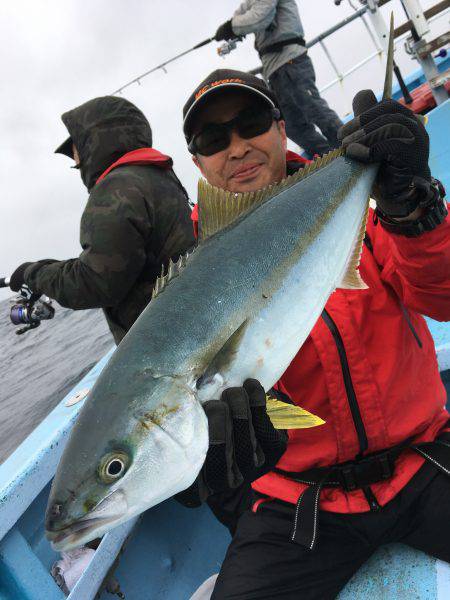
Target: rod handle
(4,282)
(200,44)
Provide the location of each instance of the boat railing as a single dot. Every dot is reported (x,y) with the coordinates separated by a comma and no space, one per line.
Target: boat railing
(378,35)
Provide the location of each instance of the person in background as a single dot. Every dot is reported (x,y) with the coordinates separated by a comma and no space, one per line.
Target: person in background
(136,219)
(137,216)
(306,516)
(288,69)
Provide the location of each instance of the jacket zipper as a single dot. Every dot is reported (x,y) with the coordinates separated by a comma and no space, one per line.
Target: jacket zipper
(351,396)
(410,325)
(368,243)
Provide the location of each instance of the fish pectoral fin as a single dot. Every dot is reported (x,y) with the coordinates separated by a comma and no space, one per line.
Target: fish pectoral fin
(211,380)
(352,279)
(290,416)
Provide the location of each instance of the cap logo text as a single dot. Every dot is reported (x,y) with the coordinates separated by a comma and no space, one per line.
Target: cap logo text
(205,88)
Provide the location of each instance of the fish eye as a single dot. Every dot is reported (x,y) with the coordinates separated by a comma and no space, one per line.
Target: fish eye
(112,466)
(115,467)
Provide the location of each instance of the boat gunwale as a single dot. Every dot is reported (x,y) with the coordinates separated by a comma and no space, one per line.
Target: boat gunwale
(25,473)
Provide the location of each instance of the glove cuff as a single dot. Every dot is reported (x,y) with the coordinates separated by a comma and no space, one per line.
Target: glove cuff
(403,203)
(431,199)
(225,32)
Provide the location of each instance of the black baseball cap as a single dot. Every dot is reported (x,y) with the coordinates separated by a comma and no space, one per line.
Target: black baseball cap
(217,81)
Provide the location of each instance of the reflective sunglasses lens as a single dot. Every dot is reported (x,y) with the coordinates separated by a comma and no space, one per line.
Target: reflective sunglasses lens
(212,139)
(252,124)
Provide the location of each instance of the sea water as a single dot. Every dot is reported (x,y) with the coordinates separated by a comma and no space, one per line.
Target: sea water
(39,368)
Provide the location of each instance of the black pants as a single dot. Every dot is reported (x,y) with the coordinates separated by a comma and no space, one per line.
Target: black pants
(294,84)
(262,562)
(228,507)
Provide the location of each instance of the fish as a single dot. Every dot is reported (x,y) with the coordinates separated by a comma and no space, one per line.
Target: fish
(239,306)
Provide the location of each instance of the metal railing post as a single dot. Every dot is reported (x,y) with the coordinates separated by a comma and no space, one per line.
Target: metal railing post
(371,8)
(417,46)
(331,61)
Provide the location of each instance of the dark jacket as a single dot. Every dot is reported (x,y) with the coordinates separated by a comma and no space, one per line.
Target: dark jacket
(136,218)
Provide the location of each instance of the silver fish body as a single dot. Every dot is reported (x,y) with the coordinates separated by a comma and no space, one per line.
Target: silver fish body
(241,307)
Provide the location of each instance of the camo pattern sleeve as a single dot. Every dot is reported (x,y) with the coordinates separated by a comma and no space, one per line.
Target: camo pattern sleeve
(114,227)
(135,220)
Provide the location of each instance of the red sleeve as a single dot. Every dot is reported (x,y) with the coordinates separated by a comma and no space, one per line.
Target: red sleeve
(194,219)
(417,268)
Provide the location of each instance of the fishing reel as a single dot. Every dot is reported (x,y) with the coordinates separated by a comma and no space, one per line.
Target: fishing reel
(228,46)
(30,309)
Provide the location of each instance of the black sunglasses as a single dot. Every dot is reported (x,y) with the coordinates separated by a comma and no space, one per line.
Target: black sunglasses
(249,123)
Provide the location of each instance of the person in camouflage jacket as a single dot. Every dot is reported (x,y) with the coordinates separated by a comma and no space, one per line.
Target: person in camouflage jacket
(137,216)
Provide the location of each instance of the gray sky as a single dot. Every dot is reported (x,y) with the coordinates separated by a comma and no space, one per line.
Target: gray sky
(59,53)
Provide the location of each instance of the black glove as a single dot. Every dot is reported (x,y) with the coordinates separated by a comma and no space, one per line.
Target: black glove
(389,133)
(17,278)
(243,443)
(225,32)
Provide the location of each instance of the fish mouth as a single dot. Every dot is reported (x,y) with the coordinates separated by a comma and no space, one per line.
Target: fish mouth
(77,534)
(112,508)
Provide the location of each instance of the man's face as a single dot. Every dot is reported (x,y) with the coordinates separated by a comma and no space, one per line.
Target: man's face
(76,156)
(245,165)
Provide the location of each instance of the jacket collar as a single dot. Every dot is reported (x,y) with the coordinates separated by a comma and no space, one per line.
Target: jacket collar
(142,156)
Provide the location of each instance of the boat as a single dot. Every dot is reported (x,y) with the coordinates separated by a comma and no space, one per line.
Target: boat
(166,553)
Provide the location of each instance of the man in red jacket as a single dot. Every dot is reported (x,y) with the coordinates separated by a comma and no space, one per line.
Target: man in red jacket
(377,470)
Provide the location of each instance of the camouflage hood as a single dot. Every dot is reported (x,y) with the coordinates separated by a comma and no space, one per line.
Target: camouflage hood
(103,130)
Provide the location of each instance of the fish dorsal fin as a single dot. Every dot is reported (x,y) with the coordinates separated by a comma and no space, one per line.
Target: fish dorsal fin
(387,91)
(218,208)
(352,280)
(173,270)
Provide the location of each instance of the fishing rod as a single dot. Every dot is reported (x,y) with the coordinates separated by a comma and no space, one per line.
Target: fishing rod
(371,7)
(29,308)
(222,50)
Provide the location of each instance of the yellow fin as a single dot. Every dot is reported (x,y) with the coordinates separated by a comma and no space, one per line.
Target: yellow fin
(290,416)
(352,280)
(218,208)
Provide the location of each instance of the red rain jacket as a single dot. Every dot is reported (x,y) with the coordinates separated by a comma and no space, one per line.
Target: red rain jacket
(392,390)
